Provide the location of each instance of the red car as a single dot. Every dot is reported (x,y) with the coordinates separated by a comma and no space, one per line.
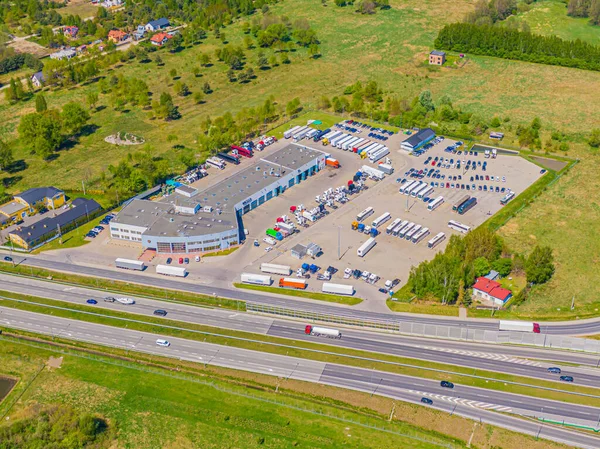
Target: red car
(181,261)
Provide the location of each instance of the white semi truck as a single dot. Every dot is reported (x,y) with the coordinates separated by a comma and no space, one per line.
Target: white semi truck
(322,332)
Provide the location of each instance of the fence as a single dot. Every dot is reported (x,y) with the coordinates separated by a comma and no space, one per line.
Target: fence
(462,333)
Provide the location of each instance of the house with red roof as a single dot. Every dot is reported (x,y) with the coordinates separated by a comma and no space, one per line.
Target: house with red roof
(117,36)
(489,290)
(160,39)
(71,31)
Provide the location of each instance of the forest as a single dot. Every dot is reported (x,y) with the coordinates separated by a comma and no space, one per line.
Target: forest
(520,45)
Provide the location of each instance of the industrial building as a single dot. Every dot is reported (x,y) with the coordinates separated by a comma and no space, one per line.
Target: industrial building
(417,140)
(189,221)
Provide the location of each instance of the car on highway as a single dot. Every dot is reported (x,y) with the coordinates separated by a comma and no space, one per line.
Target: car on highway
(446,384)
(426,401)
(566,378)
(163,343)
(109,299)
(160,312)
(92,301)
(8,259)
(554,370)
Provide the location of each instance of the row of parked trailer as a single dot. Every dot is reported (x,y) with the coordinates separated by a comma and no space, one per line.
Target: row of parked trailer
(290,282)
(360,145)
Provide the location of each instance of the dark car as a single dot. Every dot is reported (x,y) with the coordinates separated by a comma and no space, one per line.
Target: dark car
(169,260)
(186,260)
(109,299)
(92,301)
(383,290)
(566,378)
(426,401)
(446,384)
(160,312)
(554,370)
(8,259)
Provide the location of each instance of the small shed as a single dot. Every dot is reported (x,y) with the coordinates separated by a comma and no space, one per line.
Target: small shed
(298,251)
(437,57)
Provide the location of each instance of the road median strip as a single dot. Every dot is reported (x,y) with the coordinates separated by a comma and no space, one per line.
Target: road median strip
(311,351)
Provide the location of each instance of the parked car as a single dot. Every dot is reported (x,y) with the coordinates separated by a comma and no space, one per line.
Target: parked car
(181,261)
(446,384)
(186,260)
(169,260)
(92,301)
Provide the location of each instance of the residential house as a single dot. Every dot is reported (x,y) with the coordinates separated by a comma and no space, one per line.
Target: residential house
(117,36)
(38,79)
(81,211)
(70,31)
(139,33)
(418,139)
(156,25)
(66,53)
(160,39)
(48,197)
(437,57)
(13,210)
(489,290)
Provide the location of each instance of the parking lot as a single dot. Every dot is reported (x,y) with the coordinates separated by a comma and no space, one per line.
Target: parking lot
(392,257)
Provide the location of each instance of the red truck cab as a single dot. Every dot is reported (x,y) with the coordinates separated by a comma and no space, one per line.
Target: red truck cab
(308,329)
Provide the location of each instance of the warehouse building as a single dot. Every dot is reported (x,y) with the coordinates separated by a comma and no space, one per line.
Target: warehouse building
(189,221)
(417,140)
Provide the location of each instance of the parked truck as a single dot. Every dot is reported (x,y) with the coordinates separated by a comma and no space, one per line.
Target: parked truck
(331,162)
(275,269)
(257,279)
(228,158)
(519,326)
(128,264)
(366,247)
(322,332)
(275,234)
(170,270)
(338,289)
(298,284)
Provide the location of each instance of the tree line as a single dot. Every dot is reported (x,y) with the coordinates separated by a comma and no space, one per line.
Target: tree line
(519,45)
(585,8)
(448,277)
(16,61)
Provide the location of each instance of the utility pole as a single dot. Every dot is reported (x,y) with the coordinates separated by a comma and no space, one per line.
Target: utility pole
(339,241)
(573,303)
(59,233)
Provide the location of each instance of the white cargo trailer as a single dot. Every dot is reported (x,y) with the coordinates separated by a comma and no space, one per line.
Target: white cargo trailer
(381,220)
(373,172)
(331,135)
(258,279)
(169,270)
(519,326)
(386,168)
(367,148)
(128,264)
(366,247)
(298,132)
(343,141)
(379,154)
(275,269)
(355,144)
(300,135)
(322,331)
(290,132)
(374,149)
(339,289)
(350,143)
(337,139)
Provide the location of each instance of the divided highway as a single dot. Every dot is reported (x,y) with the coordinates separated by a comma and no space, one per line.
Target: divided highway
(473,402)
(566,328)
(494,358)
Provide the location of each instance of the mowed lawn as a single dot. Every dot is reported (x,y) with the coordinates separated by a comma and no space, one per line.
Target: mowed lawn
(152,410)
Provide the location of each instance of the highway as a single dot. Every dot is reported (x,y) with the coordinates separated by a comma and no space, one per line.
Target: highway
(586,327)
(470,401)
(494,358)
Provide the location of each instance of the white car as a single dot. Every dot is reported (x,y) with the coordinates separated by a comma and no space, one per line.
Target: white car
(503,179)
(268,248)
(497,178)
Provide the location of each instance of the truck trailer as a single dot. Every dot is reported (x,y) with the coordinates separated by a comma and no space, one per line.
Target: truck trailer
(338,289)
(322,332)
(366,247)
(298,284)
(128,264)
(169,270)
(386,168)
(257,279)
(519,326)
(379,154)
(290,132)
(275,269)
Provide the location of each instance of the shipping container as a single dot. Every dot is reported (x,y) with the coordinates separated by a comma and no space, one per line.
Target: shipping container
(275,269)
(366,247)
(299,284)
(258,279)
(339,289)
(128,264)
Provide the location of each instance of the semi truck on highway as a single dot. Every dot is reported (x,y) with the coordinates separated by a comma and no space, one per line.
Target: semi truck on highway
(519,326)
(322,332)
(128,264)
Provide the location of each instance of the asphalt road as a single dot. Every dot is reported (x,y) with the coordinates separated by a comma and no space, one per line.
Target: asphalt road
(468,400)
(493,358)
(566,328)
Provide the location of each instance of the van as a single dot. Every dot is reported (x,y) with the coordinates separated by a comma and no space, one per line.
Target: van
(163,343)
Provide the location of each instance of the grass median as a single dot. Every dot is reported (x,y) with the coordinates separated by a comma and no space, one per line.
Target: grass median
(338,299)
(119,287)
(307,350)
